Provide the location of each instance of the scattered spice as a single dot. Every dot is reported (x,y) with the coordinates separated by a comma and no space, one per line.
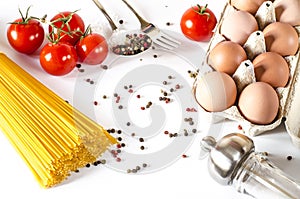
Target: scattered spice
(193,74)
(141,140)
(184,156)
(240,127)
(289,157)
(104,67)
(95,103)
(104,97)
(142,147)
(185,132)
(78,65)
(103,161)
(81,70)
(118,99)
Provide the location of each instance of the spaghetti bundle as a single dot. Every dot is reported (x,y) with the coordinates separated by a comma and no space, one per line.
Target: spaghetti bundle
(50,135)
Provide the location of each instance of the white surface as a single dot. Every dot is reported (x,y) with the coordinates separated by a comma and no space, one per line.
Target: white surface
(186,178)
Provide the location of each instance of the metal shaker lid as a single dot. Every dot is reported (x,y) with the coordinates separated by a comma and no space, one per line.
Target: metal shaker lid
(226,155)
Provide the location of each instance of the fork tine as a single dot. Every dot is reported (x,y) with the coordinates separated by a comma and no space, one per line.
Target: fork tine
(164,44)
(171,39)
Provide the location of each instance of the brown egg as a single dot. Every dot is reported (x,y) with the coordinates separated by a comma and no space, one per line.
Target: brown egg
(226,56)
(281,38)
(238,25)
(271,68)
(259,103)
(215,91)
(288,11)
(247,5)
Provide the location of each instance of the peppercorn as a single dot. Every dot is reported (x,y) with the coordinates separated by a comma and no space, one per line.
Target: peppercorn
(105,67)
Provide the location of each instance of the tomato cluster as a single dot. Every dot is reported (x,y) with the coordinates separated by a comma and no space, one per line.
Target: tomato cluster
(69,42)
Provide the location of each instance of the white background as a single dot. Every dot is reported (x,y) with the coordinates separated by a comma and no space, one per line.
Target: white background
(187,178)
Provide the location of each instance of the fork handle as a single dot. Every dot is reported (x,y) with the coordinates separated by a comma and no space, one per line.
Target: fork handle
(109,19)
(143,22)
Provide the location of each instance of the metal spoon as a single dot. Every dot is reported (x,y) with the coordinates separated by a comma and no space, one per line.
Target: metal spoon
(125,42)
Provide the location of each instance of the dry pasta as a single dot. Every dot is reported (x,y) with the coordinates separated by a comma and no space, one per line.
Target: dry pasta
(50,135)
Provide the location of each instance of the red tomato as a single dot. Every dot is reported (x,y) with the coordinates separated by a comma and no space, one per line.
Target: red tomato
(92,49)
(25,36)
(58,59)
(75,26)
(197,23)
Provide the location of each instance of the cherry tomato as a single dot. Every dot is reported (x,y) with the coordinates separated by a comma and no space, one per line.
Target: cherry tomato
(68,22)
(92,49)
(197,23)
(25,36)
(58,59)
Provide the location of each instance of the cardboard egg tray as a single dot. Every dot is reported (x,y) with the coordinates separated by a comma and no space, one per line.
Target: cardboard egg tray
(289,96)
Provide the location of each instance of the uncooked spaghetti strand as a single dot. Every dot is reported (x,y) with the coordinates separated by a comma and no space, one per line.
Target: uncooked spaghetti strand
(51,93)
(21,126)
(35,109)
(36,118)
(46,110)
(26,145)
(18,145)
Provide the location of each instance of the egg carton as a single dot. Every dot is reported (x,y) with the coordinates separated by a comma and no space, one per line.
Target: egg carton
(289,99)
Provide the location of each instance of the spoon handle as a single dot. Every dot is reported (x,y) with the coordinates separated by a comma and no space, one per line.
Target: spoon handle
(110,21)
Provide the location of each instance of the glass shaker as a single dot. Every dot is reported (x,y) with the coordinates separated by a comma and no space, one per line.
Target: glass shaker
(233,161)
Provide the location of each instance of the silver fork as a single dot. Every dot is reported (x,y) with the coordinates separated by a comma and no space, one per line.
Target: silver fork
(158,37)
